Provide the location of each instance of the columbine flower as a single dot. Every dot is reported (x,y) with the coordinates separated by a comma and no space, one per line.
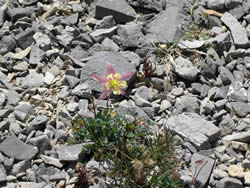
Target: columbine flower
(112,82)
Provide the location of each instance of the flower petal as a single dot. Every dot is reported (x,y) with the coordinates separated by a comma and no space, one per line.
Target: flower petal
(110,69)
(126,76)
(104,94)
(99,78)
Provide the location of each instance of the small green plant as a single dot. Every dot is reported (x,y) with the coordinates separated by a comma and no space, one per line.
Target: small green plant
(135,156)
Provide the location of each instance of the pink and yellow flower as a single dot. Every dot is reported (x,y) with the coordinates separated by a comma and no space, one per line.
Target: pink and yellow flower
(112,82)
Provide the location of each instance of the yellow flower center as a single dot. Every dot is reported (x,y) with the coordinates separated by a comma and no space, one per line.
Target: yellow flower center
(114,84)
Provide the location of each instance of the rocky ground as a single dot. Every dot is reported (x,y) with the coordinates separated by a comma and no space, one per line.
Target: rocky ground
(200,90)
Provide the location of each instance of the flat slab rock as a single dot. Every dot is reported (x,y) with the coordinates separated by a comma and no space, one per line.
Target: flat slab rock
(13,147)
(120,9)
(69,153)
(195,129)
(203,165)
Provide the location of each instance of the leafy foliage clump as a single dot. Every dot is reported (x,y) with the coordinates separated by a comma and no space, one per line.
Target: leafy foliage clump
(135,156)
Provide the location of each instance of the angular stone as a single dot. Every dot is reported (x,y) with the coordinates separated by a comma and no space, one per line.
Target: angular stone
(26,108)
(25,38)
(202,167)
(226,75)
(16,13)
(51,161)
(36,55)
(130,35)
(69,153)
(215,4)
(238,32)
(119,9)
(185,69)
(158,32)
(42,142)
(226,125)
(4,125)
(240,108)
(13,147)
(2,99)
(3,13)
(3,174)
(20,167)
(100,34)
(239,146)
(186,103)
(195,129)
(110,45)
(42,41)
(229,182)
(241,137)
(32,80)
(13,97)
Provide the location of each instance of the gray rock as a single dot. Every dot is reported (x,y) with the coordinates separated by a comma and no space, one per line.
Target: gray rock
(20,167)
(163,33)
(226,76)
(42,41)
(81,90)
(25,39)
(78,53)
(110,45)
(230,4)
(202,167)
(139,101)
(5,112)
(4,125)
(70,81)
(36,55)
(51,161)
(32,80)
(241,137)
(130,110)
(41,142)
(16,13)
(13,97)
(218,115)
(196,88)
(185,44)
(221,93)
(153,5)
(29,2)
(185,69)
(207,106)
(26,108)
(226,125)
(237,92)
(100,34)
(65,38)
(2,99)
(194,129)
(13,147)
(71,19)
(3,13)
(106,22)
(9,41)
(130,35)
(3,174)
(69,153)
(97,64)
(239,11)
(186,104)
(229,182)
(238,32)
(219,105)
(215,4)
(49,78)
(38,123)
(119,9)
(240,108)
